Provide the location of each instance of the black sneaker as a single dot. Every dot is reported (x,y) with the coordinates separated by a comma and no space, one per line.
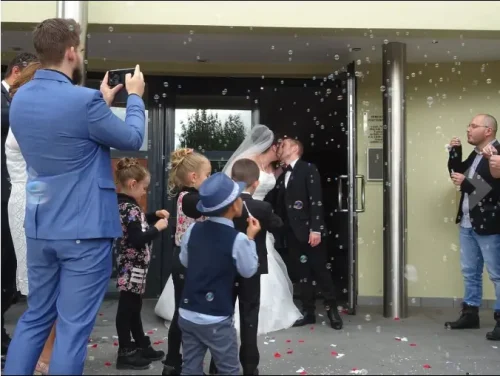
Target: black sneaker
(131,359)
(469,318)
(149,352)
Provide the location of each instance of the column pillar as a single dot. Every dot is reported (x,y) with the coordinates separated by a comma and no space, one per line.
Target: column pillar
(395,216)
(77,10)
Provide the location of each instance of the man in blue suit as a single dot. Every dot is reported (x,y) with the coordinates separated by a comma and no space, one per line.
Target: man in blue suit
(65,133)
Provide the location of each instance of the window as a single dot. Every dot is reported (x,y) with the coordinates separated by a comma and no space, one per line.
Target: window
(216,133)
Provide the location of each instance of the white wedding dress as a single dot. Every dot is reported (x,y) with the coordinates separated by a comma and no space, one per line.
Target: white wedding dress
(277,309)
(16,166)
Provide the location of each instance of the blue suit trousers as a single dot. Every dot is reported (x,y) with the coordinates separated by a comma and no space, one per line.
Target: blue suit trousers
(67,282)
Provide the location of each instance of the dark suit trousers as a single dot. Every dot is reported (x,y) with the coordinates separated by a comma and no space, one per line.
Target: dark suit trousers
(310,266)
(174,357)
(248,292)
(9,267)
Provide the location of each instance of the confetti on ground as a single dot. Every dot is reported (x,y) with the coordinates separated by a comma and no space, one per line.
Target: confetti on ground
(100,314)
(312,327)
(115,337)
(157,343)
(332,345)
(301,341)
(151,332)
(288,340)
(91,358)
(277,355)
(300,370)
(426,366)
(93,346)
(266,343)
(396,318)
(289,351)
(107,364)
(359,372)
(413,344)
(404,339)
(105,338)
(115,344)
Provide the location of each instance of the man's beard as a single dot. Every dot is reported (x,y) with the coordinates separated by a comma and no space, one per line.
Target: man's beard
(78,75)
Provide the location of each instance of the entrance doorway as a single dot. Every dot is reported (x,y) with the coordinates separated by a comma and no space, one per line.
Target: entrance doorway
(319,112)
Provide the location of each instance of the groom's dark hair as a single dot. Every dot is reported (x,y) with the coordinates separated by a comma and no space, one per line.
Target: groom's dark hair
(246,171)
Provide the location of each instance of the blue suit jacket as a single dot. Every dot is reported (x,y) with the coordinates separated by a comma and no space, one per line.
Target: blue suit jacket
(65,133)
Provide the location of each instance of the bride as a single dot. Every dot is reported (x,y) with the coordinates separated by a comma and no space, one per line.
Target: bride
(277,309)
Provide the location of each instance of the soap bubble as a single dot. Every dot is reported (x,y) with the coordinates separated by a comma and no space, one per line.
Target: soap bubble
(209,296)
(411,273)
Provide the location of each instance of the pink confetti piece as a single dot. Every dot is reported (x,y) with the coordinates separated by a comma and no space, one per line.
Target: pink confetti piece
(303,373)
(413,344)
(101,314)
(426,366)
(115,344)
(289,351)
(151,332)
(301,341)
(277,355)
(396,318)
(288,340)
(334,353)
(107,364)
(158,343)
(312,327)
(94,346)
(397,339)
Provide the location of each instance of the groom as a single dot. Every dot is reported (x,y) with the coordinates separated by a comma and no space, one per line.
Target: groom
(296,198)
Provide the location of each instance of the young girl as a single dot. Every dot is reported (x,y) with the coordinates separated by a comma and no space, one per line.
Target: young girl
(134,254)
(189,170)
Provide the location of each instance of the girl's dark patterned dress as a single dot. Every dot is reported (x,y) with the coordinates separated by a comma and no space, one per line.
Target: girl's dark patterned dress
(134,248)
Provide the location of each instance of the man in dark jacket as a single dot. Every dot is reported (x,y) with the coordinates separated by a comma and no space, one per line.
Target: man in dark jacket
(479,219)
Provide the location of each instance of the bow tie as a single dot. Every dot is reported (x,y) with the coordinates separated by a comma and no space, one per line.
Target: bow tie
(288,168)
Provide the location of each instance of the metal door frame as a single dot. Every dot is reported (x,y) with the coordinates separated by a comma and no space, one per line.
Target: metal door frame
(353,179)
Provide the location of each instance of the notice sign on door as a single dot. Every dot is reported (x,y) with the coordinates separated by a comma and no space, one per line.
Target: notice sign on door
(375,129)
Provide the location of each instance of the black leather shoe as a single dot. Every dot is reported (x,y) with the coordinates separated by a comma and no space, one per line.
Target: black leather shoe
(335,319)
(469,319)
(170,371)
(309,318)
(495,334)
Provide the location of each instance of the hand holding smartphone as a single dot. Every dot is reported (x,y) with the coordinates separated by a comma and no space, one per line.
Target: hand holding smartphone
(130,81)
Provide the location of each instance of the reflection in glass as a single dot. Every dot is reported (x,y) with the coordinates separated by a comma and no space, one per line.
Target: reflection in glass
(215,133)
(121,112)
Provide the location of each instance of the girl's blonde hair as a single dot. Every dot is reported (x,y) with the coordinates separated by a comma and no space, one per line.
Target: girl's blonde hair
(129,168)
(26,76)
(183,162)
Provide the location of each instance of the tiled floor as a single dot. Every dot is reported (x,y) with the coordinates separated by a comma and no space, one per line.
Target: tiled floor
(367,345)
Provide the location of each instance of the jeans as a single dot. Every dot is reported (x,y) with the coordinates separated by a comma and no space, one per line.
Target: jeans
(476,251)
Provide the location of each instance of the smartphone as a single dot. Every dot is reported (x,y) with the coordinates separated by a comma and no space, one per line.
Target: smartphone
(116,77)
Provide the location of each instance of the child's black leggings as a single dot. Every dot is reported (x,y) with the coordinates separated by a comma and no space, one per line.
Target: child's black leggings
(128,319)
(174,357)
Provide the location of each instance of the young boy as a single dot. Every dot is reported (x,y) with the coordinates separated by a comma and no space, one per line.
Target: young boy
(214,252)
(248,289)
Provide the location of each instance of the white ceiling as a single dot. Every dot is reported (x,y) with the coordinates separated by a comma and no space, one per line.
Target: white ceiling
(271,49)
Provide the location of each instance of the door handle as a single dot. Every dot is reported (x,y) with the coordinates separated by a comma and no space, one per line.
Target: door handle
(362,178)
(341,194)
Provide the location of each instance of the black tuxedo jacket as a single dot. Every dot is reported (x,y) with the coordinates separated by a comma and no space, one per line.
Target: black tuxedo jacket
(485,216)
(263,211)
(300,203)
(5,130)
